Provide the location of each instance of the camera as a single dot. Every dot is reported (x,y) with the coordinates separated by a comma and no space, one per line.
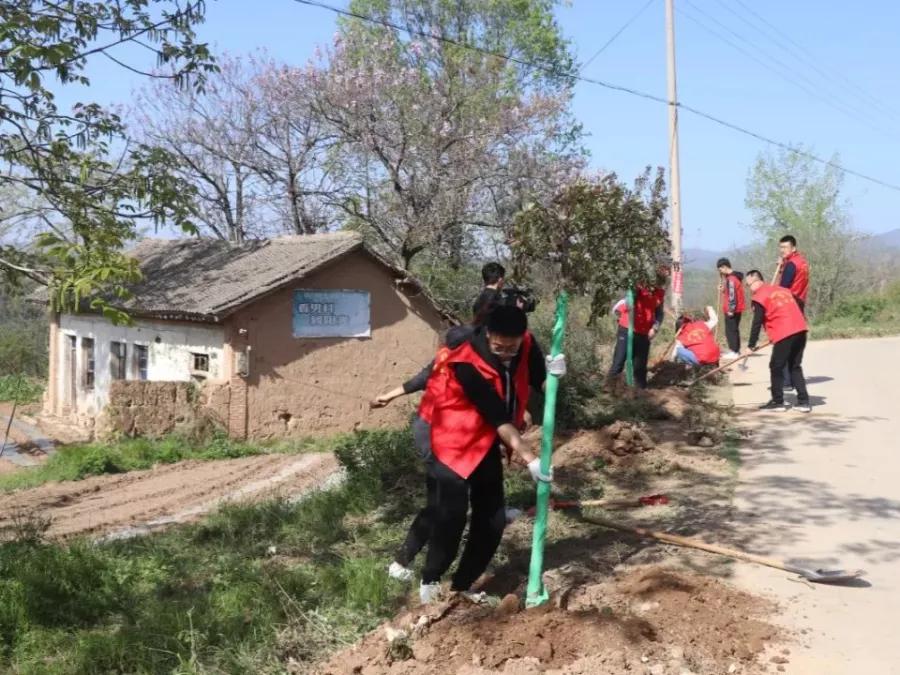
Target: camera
(517,296)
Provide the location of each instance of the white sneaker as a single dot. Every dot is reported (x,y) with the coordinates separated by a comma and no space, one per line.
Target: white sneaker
(429,593)
(730,356)
(399,572)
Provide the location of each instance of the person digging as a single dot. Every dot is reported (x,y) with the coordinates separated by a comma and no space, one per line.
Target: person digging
(695,342)
(480,397)
(776,309)
(648,316)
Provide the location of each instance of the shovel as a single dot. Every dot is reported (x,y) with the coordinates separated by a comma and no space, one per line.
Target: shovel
(817,576)
(562,504)
(728,365)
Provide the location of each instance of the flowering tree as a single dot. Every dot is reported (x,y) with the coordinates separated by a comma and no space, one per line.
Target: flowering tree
(439,140)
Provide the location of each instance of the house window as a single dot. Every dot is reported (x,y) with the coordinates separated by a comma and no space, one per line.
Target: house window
(87,362)
(118,360)
(140,355)
(200,363)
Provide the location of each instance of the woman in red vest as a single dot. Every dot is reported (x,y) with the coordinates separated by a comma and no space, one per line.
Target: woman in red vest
(648,315)
(695,342)
(480,393)
(776,309)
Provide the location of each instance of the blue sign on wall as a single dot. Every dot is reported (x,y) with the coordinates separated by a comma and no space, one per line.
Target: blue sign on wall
(319,313)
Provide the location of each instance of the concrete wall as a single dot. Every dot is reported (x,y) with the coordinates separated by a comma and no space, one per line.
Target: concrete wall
(303,386)
(170,345)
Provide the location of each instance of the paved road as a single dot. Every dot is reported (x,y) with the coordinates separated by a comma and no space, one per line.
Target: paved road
(823,490)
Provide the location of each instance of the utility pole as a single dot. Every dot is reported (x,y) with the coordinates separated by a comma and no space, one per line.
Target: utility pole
(674,175)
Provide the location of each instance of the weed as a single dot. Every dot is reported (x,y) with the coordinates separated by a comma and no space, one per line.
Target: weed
(209,598)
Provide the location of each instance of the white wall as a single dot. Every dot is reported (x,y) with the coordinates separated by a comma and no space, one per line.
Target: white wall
(169,359)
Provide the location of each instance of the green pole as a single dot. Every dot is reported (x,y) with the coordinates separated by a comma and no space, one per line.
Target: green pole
(537,594)
(629,358)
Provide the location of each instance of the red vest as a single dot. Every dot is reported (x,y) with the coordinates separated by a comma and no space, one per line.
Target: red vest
(800,284)
(739,304)
(698,338)
(783,315)
(426,405)
(460,436)
(645,303)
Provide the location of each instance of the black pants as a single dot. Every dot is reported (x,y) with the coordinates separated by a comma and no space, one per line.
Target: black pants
(733,332)
(640,355)
(788,378)
(420,529)
(788,354)
(453,494)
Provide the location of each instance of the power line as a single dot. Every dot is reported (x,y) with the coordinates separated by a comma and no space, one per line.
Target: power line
(615,35)
(606,85)
(856,114)
(811,61)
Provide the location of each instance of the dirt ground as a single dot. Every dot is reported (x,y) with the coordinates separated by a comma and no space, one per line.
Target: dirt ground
(139,501)
(649,619)
(620,604)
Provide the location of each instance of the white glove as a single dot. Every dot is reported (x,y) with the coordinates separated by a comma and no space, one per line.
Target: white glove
(534,468)
(556,365)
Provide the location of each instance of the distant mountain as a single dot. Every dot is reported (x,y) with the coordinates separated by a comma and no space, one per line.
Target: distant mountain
(697,258)
(886,244)
(886,240)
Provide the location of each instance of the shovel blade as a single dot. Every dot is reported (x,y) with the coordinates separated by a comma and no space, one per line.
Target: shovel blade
(832,576)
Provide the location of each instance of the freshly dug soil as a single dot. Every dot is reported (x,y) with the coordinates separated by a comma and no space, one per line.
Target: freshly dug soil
(648,620)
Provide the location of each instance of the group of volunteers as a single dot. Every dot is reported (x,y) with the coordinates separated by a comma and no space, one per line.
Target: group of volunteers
(475,396)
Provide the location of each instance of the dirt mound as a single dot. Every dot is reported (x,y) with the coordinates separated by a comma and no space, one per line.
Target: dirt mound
(629,438)
(669,373)
(649,620)
(172,493)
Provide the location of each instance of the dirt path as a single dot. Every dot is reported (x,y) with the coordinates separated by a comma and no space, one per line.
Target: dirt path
(823,490)
(140,501)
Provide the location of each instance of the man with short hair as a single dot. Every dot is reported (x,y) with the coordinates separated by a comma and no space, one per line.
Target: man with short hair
(776,309)
(493,275)
(733,303)
(794,270)
(794,277)
(480,392)
(695,342)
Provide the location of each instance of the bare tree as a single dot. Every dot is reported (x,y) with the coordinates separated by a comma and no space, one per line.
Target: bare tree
(213,135)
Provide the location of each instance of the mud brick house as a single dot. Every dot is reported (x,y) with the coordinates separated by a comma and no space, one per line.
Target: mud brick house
(288,336)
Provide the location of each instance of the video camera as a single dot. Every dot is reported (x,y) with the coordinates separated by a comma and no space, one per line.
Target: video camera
(518,296)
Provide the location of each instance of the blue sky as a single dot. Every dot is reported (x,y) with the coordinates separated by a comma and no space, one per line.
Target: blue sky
(855,46)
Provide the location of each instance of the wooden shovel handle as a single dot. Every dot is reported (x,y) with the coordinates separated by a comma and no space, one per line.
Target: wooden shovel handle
(729,364)
(688,542)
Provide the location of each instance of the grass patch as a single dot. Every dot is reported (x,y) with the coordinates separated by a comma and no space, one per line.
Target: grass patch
(21,389)
(866,315)
(265,588)
(76,462)
(730,449)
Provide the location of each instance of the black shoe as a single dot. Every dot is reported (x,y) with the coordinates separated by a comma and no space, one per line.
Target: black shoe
(774,406)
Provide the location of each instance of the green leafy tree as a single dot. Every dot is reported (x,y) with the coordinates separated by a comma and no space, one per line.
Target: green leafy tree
(789,193)
(598,234)
(94,186)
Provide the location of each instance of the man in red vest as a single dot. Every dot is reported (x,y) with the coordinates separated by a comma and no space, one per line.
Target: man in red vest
(480,393)
(695,342)
(732,305)
(648,316)
(794,270)
(776,309)
(794,277)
